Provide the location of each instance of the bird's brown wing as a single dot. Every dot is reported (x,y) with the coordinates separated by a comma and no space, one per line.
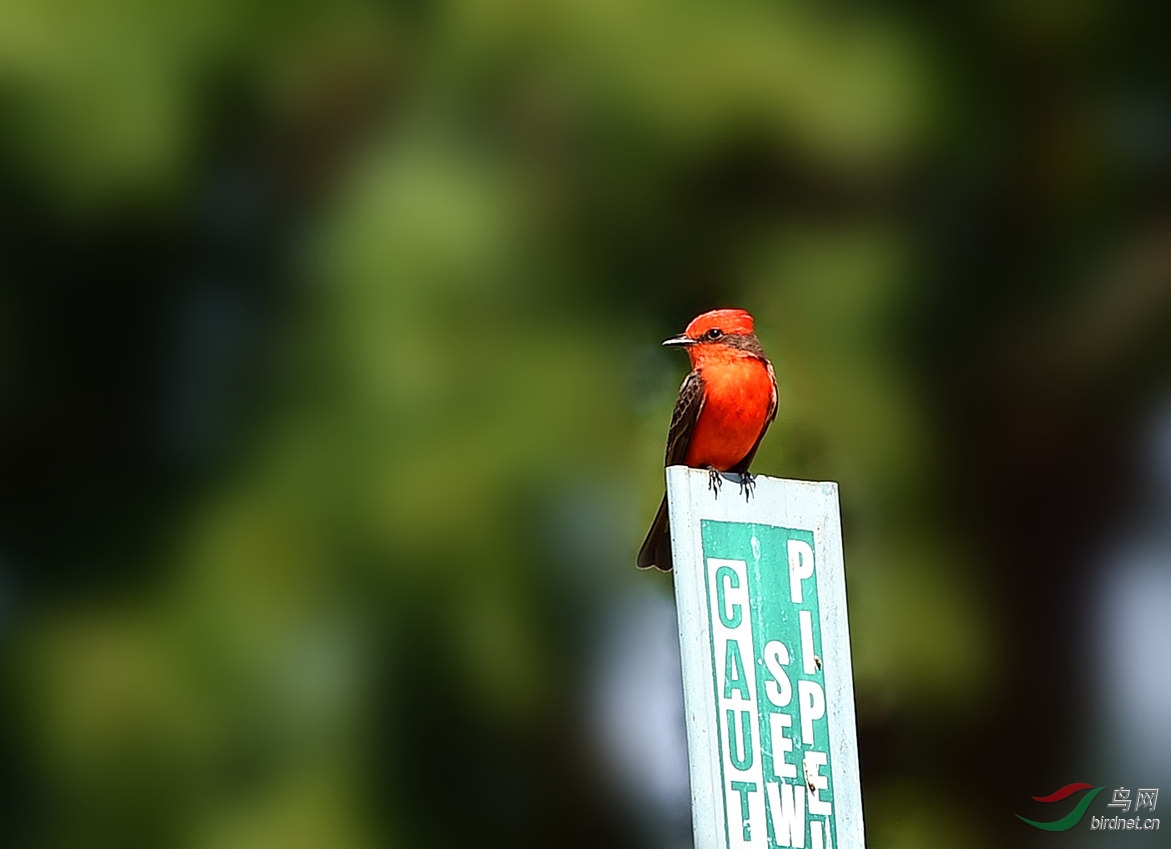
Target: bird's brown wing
(687,408)
(743,465)
(656,548)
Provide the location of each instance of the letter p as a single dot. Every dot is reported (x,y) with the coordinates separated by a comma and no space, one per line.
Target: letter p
(800,567)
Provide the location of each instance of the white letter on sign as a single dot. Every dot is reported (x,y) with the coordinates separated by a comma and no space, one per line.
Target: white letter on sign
(812,701)
(786,804)
(808,662)
(800,567)
(815,835)
(779,690)
(777,723)
(813,763)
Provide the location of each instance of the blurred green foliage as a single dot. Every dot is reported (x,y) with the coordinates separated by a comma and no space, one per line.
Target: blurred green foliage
(440,243)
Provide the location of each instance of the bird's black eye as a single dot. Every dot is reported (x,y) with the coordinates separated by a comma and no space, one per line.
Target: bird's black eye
(714,333)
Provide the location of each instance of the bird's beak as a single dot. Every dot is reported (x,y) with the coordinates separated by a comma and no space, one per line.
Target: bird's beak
(682,339)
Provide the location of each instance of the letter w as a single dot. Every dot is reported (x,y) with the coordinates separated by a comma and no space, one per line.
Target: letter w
(788,813)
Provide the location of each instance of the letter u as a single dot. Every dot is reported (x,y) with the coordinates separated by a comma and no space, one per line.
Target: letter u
(741,759)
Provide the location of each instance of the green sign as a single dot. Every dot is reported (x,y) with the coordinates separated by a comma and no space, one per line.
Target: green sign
(764,636)
(768,683)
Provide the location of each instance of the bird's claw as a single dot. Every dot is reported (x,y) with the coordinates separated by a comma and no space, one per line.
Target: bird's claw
(714,480)
(747,485)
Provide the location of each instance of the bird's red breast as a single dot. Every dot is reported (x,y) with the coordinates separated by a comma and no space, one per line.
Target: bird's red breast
(739,401)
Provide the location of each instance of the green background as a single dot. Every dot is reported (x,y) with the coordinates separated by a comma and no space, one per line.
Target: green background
(332,406)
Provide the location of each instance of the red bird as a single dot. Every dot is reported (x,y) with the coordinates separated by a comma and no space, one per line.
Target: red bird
(725,405)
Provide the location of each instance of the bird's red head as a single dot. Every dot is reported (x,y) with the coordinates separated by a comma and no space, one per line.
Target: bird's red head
(723,322)
(718,336)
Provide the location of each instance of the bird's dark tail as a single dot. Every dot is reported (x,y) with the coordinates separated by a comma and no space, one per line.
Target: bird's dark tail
(656,548)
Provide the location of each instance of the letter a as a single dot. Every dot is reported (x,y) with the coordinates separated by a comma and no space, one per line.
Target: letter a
(734,678)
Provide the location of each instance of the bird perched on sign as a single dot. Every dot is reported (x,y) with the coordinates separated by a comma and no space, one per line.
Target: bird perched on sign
(725,405)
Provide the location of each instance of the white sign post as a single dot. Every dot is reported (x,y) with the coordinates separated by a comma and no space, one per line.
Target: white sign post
(768,686)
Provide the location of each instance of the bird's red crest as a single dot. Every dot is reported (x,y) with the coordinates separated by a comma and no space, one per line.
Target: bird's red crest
(733,322)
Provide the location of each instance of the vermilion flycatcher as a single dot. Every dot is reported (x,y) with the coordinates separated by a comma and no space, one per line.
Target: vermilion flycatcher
(725,405)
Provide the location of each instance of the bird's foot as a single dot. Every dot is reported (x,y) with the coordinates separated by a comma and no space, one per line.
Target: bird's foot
(747,485)
(714,479)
